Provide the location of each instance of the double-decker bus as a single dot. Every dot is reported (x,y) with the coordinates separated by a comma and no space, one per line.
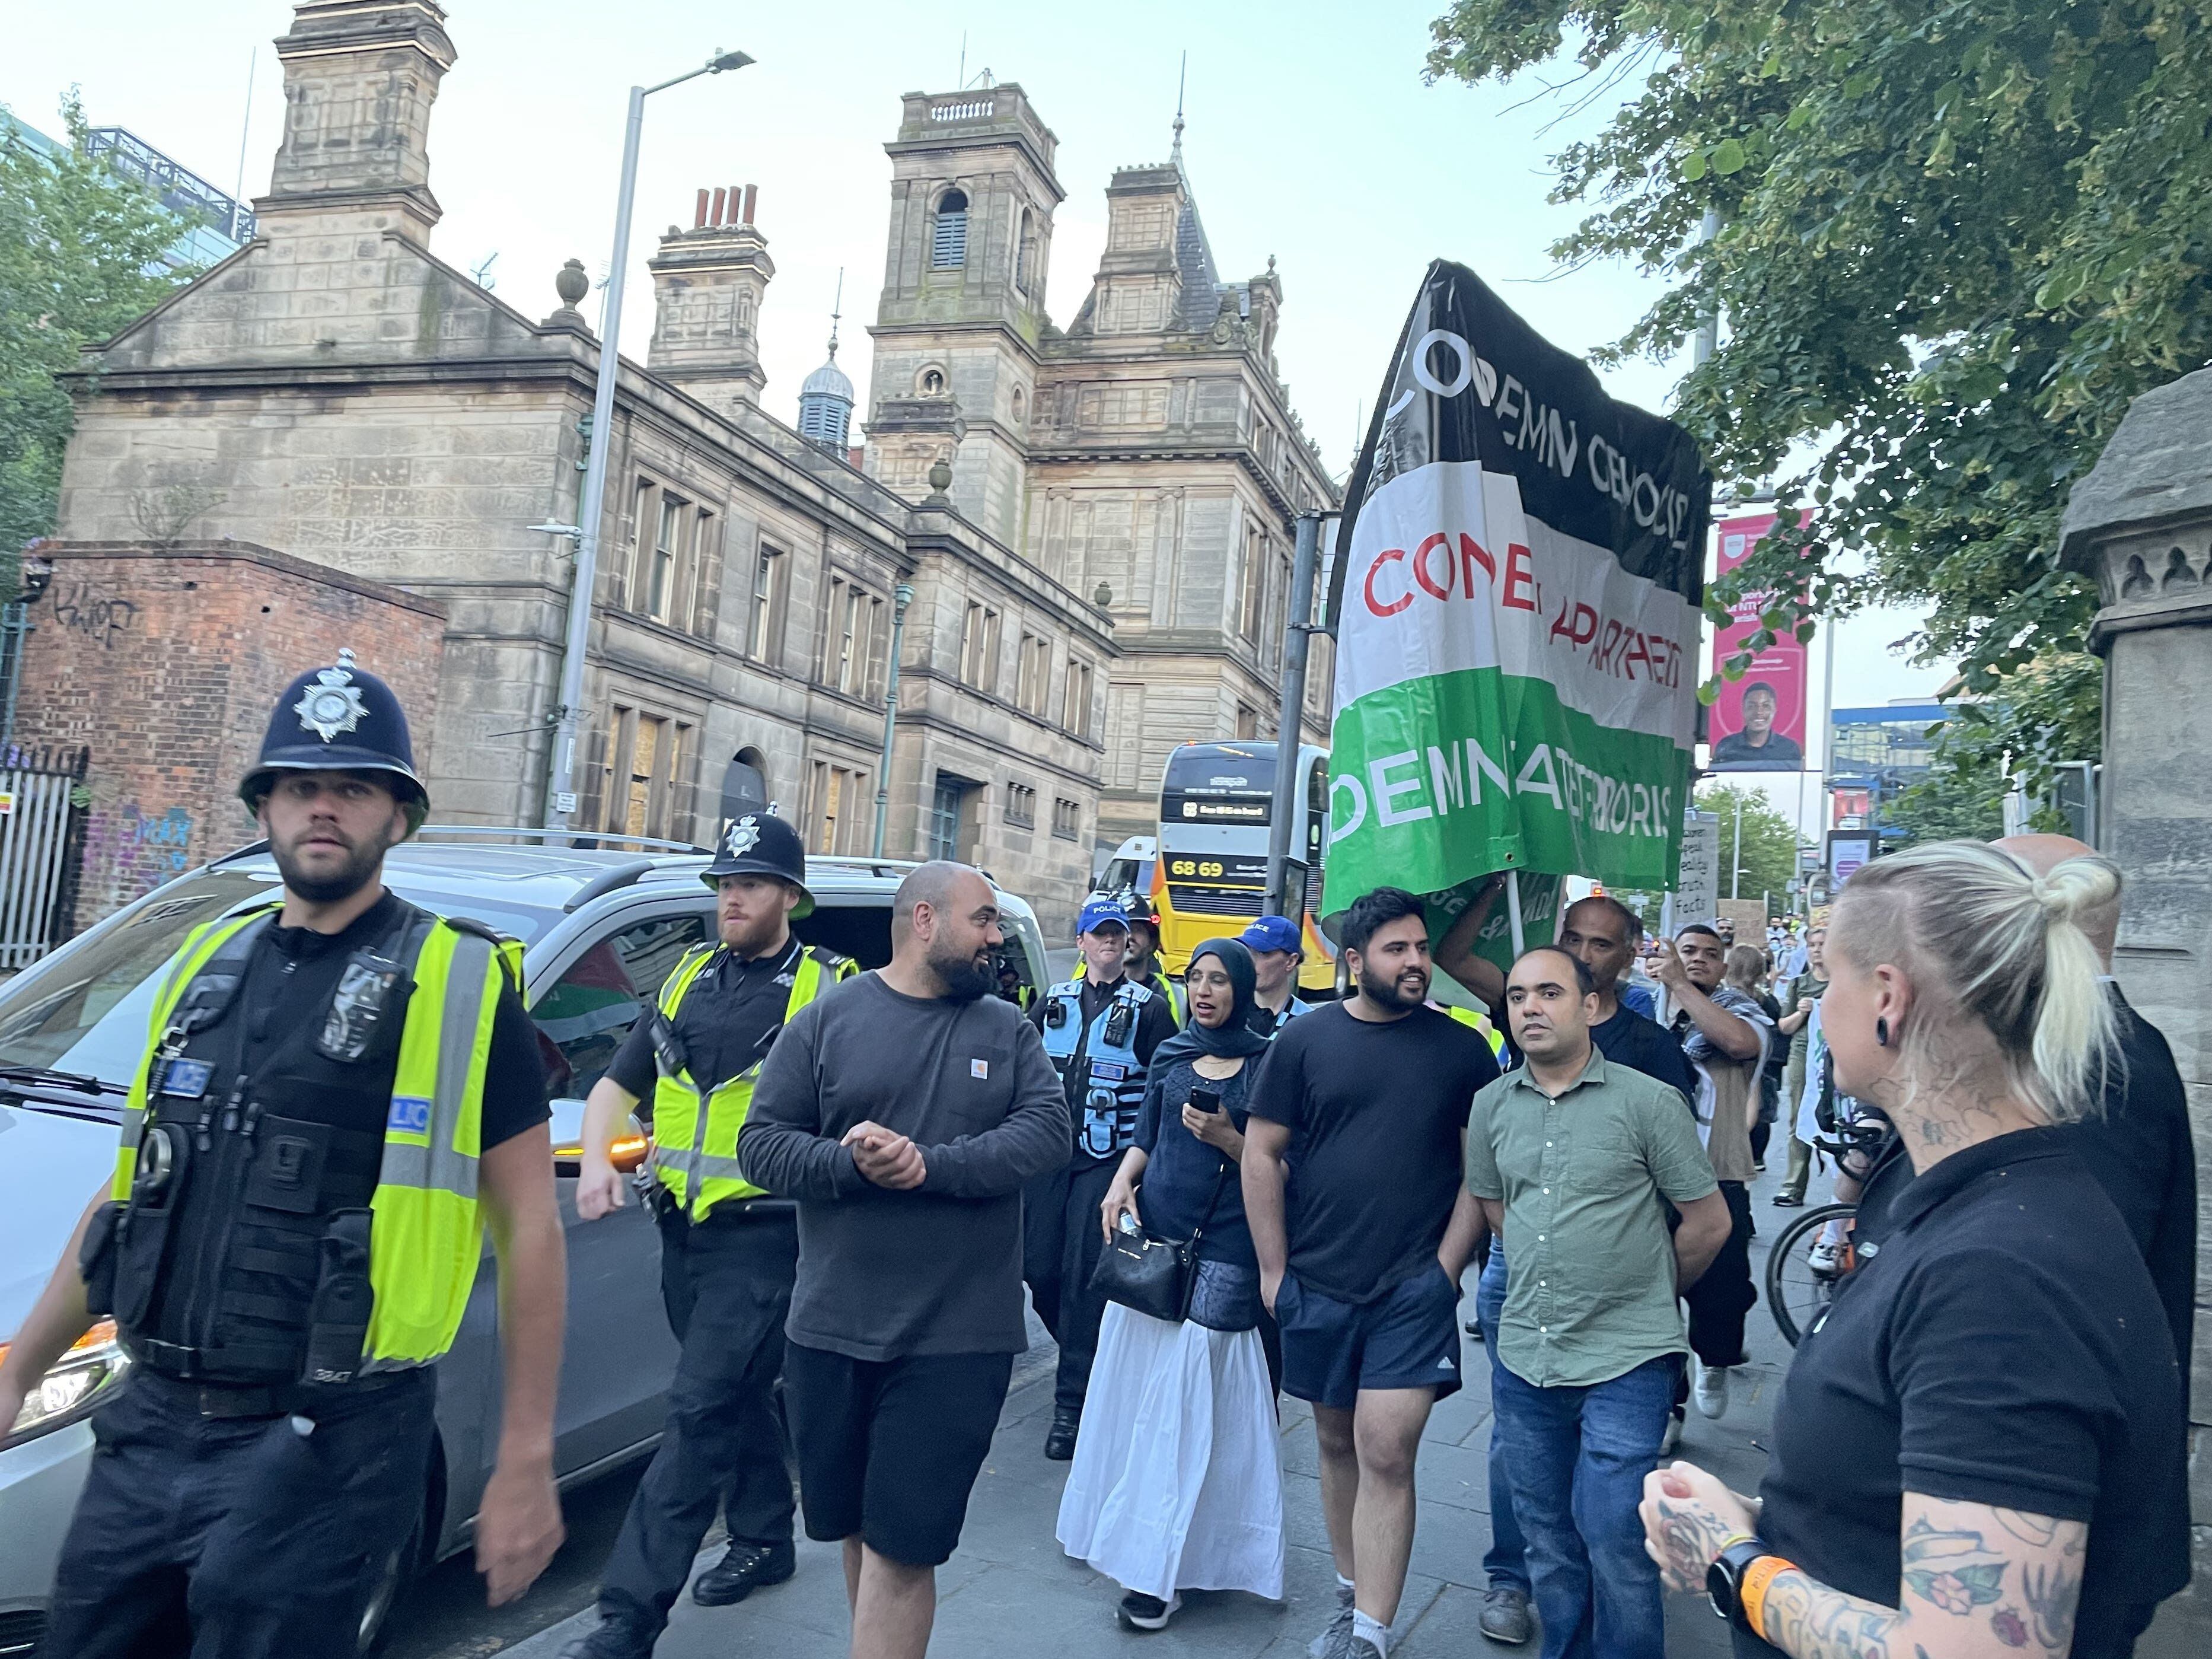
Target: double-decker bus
(1211,874)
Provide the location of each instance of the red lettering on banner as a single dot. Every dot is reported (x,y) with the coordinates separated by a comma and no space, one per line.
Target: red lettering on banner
(1471,554)
(1637,652)
(1519,576)
(1421,566)
(1385,557)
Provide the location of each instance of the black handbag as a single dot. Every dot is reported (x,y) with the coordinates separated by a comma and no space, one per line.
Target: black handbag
(1149,1274)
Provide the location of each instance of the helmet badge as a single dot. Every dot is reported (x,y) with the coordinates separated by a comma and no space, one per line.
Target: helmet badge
(744,836)
(332,705)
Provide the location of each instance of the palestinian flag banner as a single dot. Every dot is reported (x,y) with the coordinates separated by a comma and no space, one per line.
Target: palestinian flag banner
(1516,594)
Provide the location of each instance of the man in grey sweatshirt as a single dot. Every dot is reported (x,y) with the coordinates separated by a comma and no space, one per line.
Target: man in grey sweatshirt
(904,1111)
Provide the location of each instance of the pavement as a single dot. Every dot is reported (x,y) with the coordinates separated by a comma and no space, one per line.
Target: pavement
(1009,1590)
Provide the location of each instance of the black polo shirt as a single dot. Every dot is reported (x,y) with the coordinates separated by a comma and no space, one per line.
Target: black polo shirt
(728,1018)
(2003,1346)
(2138,1146)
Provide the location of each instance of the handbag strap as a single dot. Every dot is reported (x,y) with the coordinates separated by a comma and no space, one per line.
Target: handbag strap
(1220,1176)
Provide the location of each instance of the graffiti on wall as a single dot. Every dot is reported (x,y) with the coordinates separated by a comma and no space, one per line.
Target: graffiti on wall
(98,618)
(131,850)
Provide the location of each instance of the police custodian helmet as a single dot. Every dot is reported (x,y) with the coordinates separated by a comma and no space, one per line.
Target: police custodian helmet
(762,844)
(339,719)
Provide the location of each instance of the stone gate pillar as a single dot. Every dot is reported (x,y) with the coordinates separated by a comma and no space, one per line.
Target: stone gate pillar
(2141,523)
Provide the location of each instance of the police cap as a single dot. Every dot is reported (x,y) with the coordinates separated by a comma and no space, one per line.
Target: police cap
(339,719)
(762,844)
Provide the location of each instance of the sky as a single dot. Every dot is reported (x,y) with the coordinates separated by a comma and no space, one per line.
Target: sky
(1312,135)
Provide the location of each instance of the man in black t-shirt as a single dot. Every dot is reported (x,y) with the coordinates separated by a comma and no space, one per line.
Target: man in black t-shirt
(1367,1101)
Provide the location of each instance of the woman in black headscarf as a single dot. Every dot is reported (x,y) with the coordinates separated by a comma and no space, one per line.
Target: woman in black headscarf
(1177,1480)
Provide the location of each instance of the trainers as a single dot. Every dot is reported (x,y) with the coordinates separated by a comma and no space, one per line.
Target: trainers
(1147,1612)
(1711,1391)
(1824,1257)
(1783,1201)
(1474,1330)
(1328,1643)
(1671,1442)
(1060,1439)
(1505,1615)
(611,1638)
(744,1569)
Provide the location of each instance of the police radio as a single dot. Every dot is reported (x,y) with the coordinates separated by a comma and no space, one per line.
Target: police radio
(1117,1024)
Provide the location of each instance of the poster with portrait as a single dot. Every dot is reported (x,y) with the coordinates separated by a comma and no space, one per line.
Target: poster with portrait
(1758,722)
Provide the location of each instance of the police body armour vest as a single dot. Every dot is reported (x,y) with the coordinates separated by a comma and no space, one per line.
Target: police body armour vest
(257,1246)
(1111,1091)
(697,1161)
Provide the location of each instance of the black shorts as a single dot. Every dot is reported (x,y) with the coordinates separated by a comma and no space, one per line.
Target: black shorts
(888,1449)
(1407,1338)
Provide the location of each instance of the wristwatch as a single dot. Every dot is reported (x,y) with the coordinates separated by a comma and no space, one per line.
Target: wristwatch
(1737,1581)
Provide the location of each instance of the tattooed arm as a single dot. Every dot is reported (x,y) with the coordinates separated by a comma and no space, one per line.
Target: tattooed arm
(1978,1582)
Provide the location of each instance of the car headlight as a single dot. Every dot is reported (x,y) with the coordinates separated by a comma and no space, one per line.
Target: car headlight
(83,1377)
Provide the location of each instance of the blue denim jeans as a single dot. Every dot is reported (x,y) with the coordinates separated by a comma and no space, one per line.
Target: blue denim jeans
(1506,1563)
(1578,1457)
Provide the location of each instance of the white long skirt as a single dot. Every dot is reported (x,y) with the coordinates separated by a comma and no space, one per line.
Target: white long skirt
(1178,1482)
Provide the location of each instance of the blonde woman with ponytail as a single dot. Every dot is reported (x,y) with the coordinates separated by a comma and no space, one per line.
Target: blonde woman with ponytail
(1979,1440)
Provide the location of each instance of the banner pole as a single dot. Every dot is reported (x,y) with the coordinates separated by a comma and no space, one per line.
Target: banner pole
(1513,910)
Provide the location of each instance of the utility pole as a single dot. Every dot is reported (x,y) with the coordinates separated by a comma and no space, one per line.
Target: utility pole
(902,597)
(560,794)
(1289,720)
(1735,876)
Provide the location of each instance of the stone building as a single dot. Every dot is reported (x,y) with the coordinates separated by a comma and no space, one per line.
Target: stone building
(1097,573)
(1146,456)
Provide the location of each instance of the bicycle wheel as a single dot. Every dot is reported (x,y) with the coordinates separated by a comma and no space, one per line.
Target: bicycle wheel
(1796,1295)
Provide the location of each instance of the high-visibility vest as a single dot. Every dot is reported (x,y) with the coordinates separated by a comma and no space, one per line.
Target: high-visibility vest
(1482,1027)
(426,1236)
(699,1165)
(1170,991)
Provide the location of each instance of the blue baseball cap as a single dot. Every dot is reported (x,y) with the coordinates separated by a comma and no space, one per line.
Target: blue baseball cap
(1272,933)
(1098,911)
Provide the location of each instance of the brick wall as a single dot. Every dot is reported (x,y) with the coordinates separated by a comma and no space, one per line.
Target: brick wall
(166,662)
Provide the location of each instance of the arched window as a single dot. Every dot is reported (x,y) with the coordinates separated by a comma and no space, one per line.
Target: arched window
(1025,253)
(948,248)
(931,383)
(745,785)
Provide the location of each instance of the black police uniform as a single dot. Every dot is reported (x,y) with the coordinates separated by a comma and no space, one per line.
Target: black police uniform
(231,1509)
(725,1281)
(1062,1240)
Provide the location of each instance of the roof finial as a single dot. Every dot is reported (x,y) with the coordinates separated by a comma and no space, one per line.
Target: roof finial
(1174,154)
(836,309)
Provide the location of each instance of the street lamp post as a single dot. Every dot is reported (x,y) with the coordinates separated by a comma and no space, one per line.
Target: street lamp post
(561,795)
(902,597)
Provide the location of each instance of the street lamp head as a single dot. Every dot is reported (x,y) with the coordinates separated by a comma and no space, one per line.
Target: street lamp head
(728,60)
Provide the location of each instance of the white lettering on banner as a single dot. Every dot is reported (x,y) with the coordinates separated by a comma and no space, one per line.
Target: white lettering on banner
(1527,424)
(1608,804)
(1447,573)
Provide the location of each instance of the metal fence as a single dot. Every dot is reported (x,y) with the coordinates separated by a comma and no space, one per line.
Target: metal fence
(41,844)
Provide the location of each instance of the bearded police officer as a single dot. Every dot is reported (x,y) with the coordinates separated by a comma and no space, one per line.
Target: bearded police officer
(1099,1031)
(340,1091)
(727,1252)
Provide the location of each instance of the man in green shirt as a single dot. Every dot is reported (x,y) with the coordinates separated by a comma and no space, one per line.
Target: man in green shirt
(1568,1156)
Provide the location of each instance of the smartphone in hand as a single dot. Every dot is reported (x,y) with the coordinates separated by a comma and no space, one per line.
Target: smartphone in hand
(1206,1100)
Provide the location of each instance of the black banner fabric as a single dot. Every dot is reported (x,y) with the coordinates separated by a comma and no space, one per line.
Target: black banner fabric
(1471,381)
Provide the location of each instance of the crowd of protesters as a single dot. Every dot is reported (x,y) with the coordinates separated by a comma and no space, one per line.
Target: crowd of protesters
(1981,1442)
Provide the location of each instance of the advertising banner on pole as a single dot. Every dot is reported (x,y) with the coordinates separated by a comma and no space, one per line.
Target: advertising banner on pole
(1517,604)
(1758,722)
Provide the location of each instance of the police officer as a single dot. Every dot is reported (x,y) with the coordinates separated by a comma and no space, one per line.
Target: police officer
(1143,965)
(727,1252)
(1278,952)
(340,1091)
(1100,1031)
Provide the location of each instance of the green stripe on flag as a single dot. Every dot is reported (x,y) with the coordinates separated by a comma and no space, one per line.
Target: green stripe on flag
(1481,770)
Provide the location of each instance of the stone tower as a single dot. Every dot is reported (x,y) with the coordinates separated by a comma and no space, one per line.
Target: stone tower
(360,78)
(708,283)
(955,334)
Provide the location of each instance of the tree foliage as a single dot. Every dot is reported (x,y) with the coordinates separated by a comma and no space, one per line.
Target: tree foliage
(80,257)
(1769,845)
(1955,240)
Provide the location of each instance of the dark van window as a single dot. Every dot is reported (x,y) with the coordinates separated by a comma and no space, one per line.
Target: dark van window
(583,1019)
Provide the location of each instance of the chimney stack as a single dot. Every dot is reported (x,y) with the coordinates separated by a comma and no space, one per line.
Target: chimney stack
(708,284)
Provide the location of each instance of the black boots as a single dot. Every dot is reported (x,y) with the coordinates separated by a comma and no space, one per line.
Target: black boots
(1060,1439)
